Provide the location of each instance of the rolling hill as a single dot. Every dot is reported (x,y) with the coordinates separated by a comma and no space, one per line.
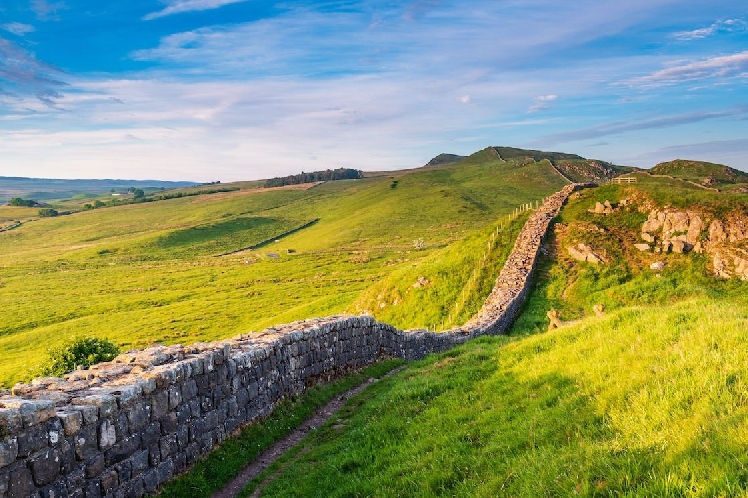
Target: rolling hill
(706,173)
(139,274)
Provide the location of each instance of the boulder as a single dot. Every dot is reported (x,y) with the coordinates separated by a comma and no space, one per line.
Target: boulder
(583,252)
(679,246)
(642,247)
(675,221)
(647,237)
(657,265)
(654,222)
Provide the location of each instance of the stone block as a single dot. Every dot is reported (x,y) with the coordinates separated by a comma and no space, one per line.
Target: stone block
(55,490)
(159,404)
(85,443)
(94,466)
(107,435)
(122,450)
(109,482)
(45,466)
(8,452)
(32,439)
(72,421)
(93,489)
(10,421)
(106,403)
(21,483)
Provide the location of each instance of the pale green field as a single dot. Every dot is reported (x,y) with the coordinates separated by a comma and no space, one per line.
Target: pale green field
(147,273)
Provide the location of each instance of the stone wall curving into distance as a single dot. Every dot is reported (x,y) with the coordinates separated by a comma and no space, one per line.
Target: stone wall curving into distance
(125,427)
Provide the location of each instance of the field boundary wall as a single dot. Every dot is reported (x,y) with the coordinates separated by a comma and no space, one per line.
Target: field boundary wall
(125,427)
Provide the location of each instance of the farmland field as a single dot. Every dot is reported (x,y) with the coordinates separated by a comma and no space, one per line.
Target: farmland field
(150,273)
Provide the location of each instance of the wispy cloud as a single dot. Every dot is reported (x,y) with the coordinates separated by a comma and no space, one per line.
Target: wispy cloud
(23,76)
(718,27)
(619,127)
(715,67)
(46,10)
(18,28)
(542,102)
(180,6)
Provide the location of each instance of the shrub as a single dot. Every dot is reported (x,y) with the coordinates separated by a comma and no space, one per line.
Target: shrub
(83,352)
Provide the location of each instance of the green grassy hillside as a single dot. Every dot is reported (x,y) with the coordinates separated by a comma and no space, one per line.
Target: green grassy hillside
(700,171)
(145,273)
(647,400)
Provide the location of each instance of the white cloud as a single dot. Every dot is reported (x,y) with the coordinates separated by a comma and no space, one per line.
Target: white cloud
(180,6)
(719,26)
(715,67)
(465,99)
(18,28)
(542,102)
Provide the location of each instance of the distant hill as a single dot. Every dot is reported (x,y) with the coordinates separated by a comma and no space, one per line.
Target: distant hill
(442,159)
(700,171)
(48,188)
(538,155)
(573,167)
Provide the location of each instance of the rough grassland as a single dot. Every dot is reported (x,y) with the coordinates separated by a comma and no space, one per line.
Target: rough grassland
(146,273)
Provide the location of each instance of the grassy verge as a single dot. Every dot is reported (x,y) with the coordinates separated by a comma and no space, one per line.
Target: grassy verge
(643,402)
(213,472)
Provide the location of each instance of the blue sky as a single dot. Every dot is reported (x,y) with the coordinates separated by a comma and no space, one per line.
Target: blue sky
(242,89)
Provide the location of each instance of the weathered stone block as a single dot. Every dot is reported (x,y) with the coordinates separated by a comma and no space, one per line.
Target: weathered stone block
(122,450)
(109,482)
(94,466)
(10,421)
(93,489)
(72,421)
(159,404)
(21,483)
(45,466)
(85,443)
(107,435)
(55,490)
(8,452)
(32,439)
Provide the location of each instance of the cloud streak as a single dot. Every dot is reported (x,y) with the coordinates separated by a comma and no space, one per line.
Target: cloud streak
(715,67)
(541,103)
(17,28)
(23,76)
(182,6)
(729,25)
(620,127)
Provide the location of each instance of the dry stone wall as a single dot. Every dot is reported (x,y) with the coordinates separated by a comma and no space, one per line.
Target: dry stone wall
(123,428)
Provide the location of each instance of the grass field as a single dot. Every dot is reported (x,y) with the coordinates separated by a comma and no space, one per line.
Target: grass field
(649,400)
(643,402)
(147,273)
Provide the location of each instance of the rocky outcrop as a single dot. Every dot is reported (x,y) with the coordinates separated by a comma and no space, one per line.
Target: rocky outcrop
(125,427)
(681,232)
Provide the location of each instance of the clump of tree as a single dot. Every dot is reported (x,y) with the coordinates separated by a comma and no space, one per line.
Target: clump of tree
(17,201)
(316,176)
(82,352)
(47,213)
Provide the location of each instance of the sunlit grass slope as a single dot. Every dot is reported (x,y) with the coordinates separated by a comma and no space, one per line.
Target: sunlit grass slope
(642,402)
(145,273)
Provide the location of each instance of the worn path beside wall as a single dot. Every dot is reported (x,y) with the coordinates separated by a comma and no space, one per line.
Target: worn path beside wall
(123,428)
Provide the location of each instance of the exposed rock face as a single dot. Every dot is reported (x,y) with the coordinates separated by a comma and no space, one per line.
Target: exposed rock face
(123,428)
(684,231)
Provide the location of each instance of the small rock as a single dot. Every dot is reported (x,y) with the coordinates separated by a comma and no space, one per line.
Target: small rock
(642,247)
(657,265)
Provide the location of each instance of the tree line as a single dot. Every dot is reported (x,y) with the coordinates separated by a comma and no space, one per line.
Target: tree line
(315,176)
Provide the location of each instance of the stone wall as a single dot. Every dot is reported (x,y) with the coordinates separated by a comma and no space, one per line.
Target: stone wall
(125,427)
